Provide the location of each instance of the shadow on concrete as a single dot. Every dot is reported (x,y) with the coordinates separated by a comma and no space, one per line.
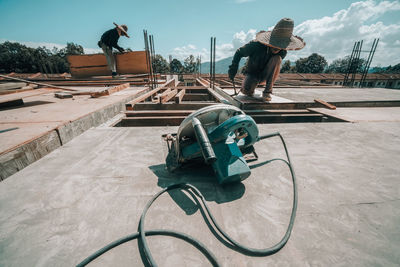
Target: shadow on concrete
(26,104)
(203,178)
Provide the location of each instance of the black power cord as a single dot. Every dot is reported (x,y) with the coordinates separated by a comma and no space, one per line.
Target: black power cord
(210,220)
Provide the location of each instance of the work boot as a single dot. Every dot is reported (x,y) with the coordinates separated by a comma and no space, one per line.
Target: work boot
(246,93)
(267,97)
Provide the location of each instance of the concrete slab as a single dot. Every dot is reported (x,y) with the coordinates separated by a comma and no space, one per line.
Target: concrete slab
(337,94)
(45,116)
(92,191)
(362,114)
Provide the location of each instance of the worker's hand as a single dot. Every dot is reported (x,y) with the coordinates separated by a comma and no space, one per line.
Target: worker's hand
(232,71)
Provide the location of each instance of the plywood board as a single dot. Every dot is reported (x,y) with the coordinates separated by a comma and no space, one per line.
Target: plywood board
(96,64)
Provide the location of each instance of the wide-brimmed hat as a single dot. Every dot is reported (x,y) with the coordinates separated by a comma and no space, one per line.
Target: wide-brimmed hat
(281,36)
(123,28)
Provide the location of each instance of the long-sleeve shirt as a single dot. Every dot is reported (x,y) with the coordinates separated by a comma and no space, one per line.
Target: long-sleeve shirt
(110,39)
(259,55)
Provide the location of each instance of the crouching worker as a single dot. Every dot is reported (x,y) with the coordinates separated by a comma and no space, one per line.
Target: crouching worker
(265,57)
(108,41)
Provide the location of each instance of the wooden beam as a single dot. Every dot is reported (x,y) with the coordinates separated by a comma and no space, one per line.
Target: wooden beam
(63,95)
(96,64)
(151,121)
(157,113)
(35,75)
(227,98)
(142,96)
(110,91)
(165,97)
(172,106)
(41,84)
(326,104)
(179,96)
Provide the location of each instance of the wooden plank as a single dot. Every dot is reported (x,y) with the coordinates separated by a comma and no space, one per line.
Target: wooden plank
(132,63)
(8,86)
(41,84)
(172,106)
(111,90)
(326,104)
(217,96)
(165,97)
(21,95)
(63,95)
(227,98)
(158,113)
(170,83)
(96,64)
(143,96)
(35,75)
(179,96)
(151,121)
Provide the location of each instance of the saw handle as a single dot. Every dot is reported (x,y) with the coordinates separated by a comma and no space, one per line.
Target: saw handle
(204,142)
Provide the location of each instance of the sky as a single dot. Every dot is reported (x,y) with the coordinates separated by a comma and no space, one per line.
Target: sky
(184,27)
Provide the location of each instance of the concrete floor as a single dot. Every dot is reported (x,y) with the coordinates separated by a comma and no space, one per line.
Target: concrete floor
(92,191)
(337,94)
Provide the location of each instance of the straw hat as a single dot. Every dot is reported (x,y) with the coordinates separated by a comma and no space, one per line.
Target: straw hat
(281,36)
(123,29)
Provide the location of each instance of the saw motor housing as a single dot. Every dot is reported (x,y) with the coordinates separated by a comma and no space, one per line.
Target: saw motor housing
(219,135)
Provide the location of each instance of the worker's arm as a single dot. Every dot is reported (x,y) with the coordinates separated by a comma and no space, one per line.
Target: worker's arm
(244,51)
(114,44)
(282,53)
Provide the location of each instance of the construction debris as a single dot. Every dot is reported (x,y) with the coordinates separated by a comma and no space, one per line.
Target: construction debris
(326,104)
(111,90)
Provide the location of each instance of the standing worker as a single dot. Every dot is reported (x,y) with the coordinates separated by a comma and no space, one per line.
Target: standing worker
(265,57)
(108,40)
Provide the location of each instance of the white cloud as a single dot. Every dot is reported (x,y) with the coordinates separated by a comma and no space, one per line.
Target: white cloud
(330,36)
(334,36)
(222,50)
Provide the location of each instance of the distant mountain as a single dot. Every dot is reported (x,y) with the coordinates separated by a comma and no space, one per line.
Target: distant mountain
(221,66)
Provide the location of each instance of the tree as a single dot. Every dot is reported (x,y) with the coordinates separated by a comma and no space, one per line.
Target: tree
(189,64)
(160,65)
(176,66)
(15,57)
(312,64)
(341,65)
(74,49)
(286,67)
(393,69)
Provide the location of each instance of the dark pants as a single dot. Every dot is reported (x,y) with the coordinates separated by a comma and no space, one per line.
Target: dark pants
(269,74)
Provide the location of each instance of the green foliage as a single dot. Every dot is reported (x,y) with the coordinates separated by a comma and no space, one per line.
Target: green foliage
(341,65)
(189,64)
(287,67)
(176,66)
(160,65)
(15,57)
(312,64)
(389,69)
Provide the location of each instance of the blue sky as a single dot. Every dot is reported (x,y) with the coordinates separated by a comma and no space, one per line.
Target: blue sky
(180,28)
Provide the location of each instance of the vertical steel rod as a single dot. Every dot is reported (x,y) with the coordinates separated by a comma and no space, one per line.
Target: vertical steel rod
(346,77)
(214,64)
(211,57)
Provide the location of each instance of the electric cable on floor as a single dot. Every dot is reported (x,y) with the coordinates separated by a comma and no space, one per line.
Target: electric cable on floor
(210,220)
